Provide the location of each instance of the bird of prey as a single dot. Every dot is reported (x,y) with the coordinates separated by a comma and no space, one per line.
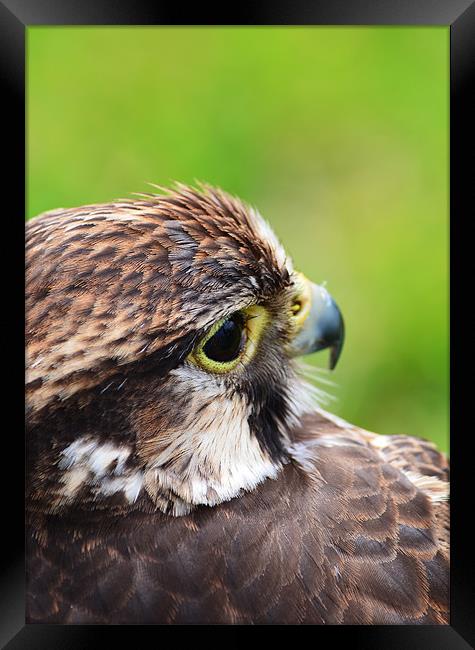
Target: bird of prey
(179,467)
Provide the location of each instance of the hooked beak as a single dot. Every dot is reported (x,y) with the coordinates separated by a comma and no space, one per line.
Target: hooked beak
(322,326)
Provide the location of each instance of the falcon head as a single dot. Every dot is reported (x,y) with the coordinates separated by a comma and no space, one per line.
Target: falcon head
(162,337)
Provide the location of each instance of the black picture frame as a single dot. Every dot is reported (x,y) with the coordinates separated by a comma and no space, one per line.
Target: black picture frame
(15,17)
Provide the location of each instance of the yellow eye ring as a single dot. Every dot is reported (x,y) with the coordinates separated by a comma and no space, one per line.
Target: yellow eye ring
(252,319)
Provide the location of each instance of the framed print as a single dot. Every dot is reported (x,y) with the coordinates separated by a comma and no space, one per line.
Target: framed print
(206,205)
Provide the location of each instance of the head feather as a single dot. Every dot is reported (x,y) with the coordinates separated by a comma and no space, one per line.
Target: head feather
(109,285)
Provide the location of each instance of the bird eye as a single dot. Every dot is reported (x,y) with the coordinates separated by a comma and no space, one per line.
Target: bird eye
(221,348)
(230,341)
(226,344)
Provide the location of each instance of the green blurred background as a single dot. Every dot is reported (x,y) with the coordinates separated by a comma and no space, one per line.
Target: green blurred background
(338,135)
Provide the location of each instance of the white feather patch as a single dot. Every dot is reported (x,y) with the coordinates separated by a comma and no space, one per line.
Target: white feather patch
(223,457)
(100,465)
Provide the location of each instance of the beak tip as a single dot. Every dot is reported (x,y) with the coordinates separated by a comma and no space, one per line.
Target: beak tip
(337,347)
(338,340)
(335,352)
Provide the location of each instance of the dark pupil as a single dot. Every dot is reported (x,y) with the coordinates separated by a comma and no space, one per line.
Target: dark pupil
(227,343)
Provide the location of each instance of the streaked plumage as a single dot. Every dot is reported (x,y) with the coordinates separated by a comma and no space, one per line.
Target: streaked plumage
(162,490)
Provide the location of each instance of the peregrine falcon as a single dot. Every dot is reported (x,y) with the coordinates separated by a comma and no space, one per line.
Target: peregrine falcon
(180,469)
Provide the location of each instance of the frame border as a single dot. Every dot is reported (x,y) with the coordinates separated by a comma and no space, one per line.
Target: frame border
(459,15)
